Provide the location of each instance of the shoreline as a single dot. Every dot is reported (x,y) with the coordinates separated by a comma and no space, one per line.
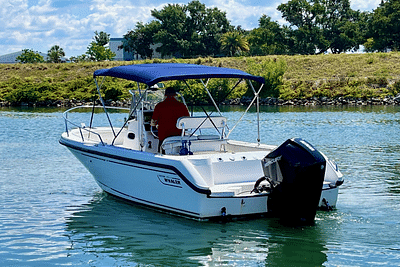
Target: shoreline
(244,101)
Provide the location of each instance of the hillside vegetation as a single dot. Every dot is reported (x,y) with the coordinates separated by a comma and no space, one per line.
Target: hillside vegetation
(365,76)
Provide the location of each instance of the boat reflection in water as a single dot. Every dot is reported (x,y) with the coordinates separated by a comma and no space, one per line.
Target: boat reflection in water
(111,230)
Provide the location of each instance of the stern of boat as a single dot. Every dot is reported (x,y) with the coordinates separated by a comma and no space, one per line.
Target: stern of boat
(302,179)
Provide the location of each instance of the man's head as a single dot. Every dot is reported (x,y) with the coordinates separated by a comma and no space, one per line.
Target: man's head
(170,91)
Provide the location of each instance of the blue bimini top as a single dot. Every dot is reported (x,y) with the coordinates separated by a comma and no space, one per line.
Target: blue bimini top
(151,74)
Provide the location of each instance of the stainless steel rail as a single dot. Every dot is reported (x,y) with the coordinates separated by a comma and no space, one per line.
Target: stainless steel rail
(84,128)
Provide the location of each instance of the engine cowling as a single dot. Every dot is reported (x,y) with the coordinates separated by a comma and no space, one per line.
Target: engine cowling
(296,171)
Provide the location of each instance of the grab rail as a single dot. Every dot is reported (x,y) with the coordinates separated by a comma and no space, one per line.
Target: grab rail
(80,127)
(202,122)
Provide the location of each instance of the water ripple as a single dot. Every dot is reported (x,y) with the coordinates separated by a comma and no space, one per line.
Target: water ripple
(52,213)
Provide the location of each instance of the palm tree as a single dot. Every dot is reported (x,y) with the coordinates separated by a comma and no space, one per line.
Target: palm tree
(234,42)
(55,54)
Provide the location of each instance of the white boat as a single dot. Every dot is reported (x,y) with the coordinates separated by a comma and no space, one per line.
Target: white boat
(201,174)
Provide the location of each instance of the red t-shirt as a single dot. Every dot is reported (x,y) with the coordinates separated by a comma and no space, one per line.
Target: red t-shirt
(166,113)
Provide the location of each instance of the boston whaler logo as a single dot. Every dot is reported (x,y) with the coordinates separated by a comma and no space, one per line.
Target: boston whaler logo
(171,181)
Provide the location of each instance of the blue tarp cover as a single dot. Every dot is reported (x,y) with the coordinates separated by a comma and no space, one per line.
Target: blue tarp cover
(151,74)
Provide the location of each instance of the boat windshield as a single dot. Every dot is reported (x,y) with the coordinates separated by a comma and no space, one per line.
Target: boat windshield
(150,97)
(147,98)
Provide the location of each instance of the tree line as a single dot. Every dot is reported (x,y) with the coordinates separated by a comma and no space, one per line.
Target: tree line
(193,30)
(96,51)
(314,26)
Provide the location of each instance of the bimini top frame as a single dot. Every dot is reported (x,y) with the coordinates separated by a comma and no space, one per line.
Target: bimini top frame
(151,74)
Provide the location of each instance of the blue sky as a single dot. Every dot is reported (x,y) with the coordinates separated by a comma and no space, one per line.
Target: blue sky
(40,24)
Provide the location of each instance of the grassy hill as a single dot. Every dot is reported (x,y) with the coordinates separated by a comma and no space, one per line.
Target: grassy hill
(375,75)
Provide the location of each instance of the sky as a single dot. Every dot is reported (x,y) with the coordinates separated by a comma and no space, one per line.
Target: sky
(40,24)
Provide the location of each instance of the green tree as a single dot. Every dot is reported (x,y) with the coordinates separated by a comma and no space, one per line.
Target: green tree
(55,54)
(101,38)
(269,38)
(140,40)
(272,71)
(81,58)
(234,43)
(369,45)
(171,33)
(343,28)
(181,30)
(29,56)
(384,26)
(98,52)
(190,30)
(207,27)
(194,27)
(302,15)
(322,25)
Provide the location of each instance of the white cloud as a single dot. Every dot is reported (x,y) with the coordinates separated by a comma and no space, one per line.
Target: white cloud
(120,16)
(364,5)
(38,27)
(19,37)
(246,13)
(42,7)
(15,4)
(71,24)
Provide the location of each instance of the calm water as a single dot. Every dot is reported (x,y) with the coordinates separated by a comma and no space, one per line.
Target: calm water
(52,213)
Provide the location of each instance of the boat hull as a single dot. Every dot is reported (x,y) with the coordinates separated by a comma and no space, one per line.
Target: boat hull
(165,184)
(160,183)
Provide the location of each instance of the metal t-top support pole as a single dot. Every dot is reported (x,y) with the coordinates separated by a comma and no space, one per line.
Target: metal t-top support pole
(103,103)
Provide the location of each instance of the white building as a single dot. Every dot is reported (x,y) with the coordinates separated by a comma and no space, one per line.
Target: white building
(121,55)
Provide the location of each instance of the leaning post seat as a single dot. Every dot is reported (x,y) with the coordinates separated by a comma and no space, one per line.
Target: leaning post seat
(198,142)
(201,122)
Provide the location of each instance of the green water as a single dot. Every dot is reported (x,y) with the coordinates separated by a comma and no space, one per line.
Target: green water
(52,213)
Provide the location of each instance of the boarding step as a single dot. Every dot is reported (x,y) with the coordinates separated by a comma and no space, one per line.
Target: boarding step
(231,190)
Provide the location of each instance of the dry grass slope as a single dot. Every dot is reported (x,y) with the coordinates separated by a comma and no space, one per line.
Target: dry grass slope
(343,75)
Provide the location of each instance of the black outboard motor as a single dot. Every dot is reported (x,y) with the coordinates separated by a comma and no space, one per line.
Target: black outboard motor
(296,171)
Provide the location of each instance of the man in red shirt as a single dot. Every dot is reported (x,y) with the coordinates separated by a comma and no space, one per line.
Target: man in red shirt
(166,114)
